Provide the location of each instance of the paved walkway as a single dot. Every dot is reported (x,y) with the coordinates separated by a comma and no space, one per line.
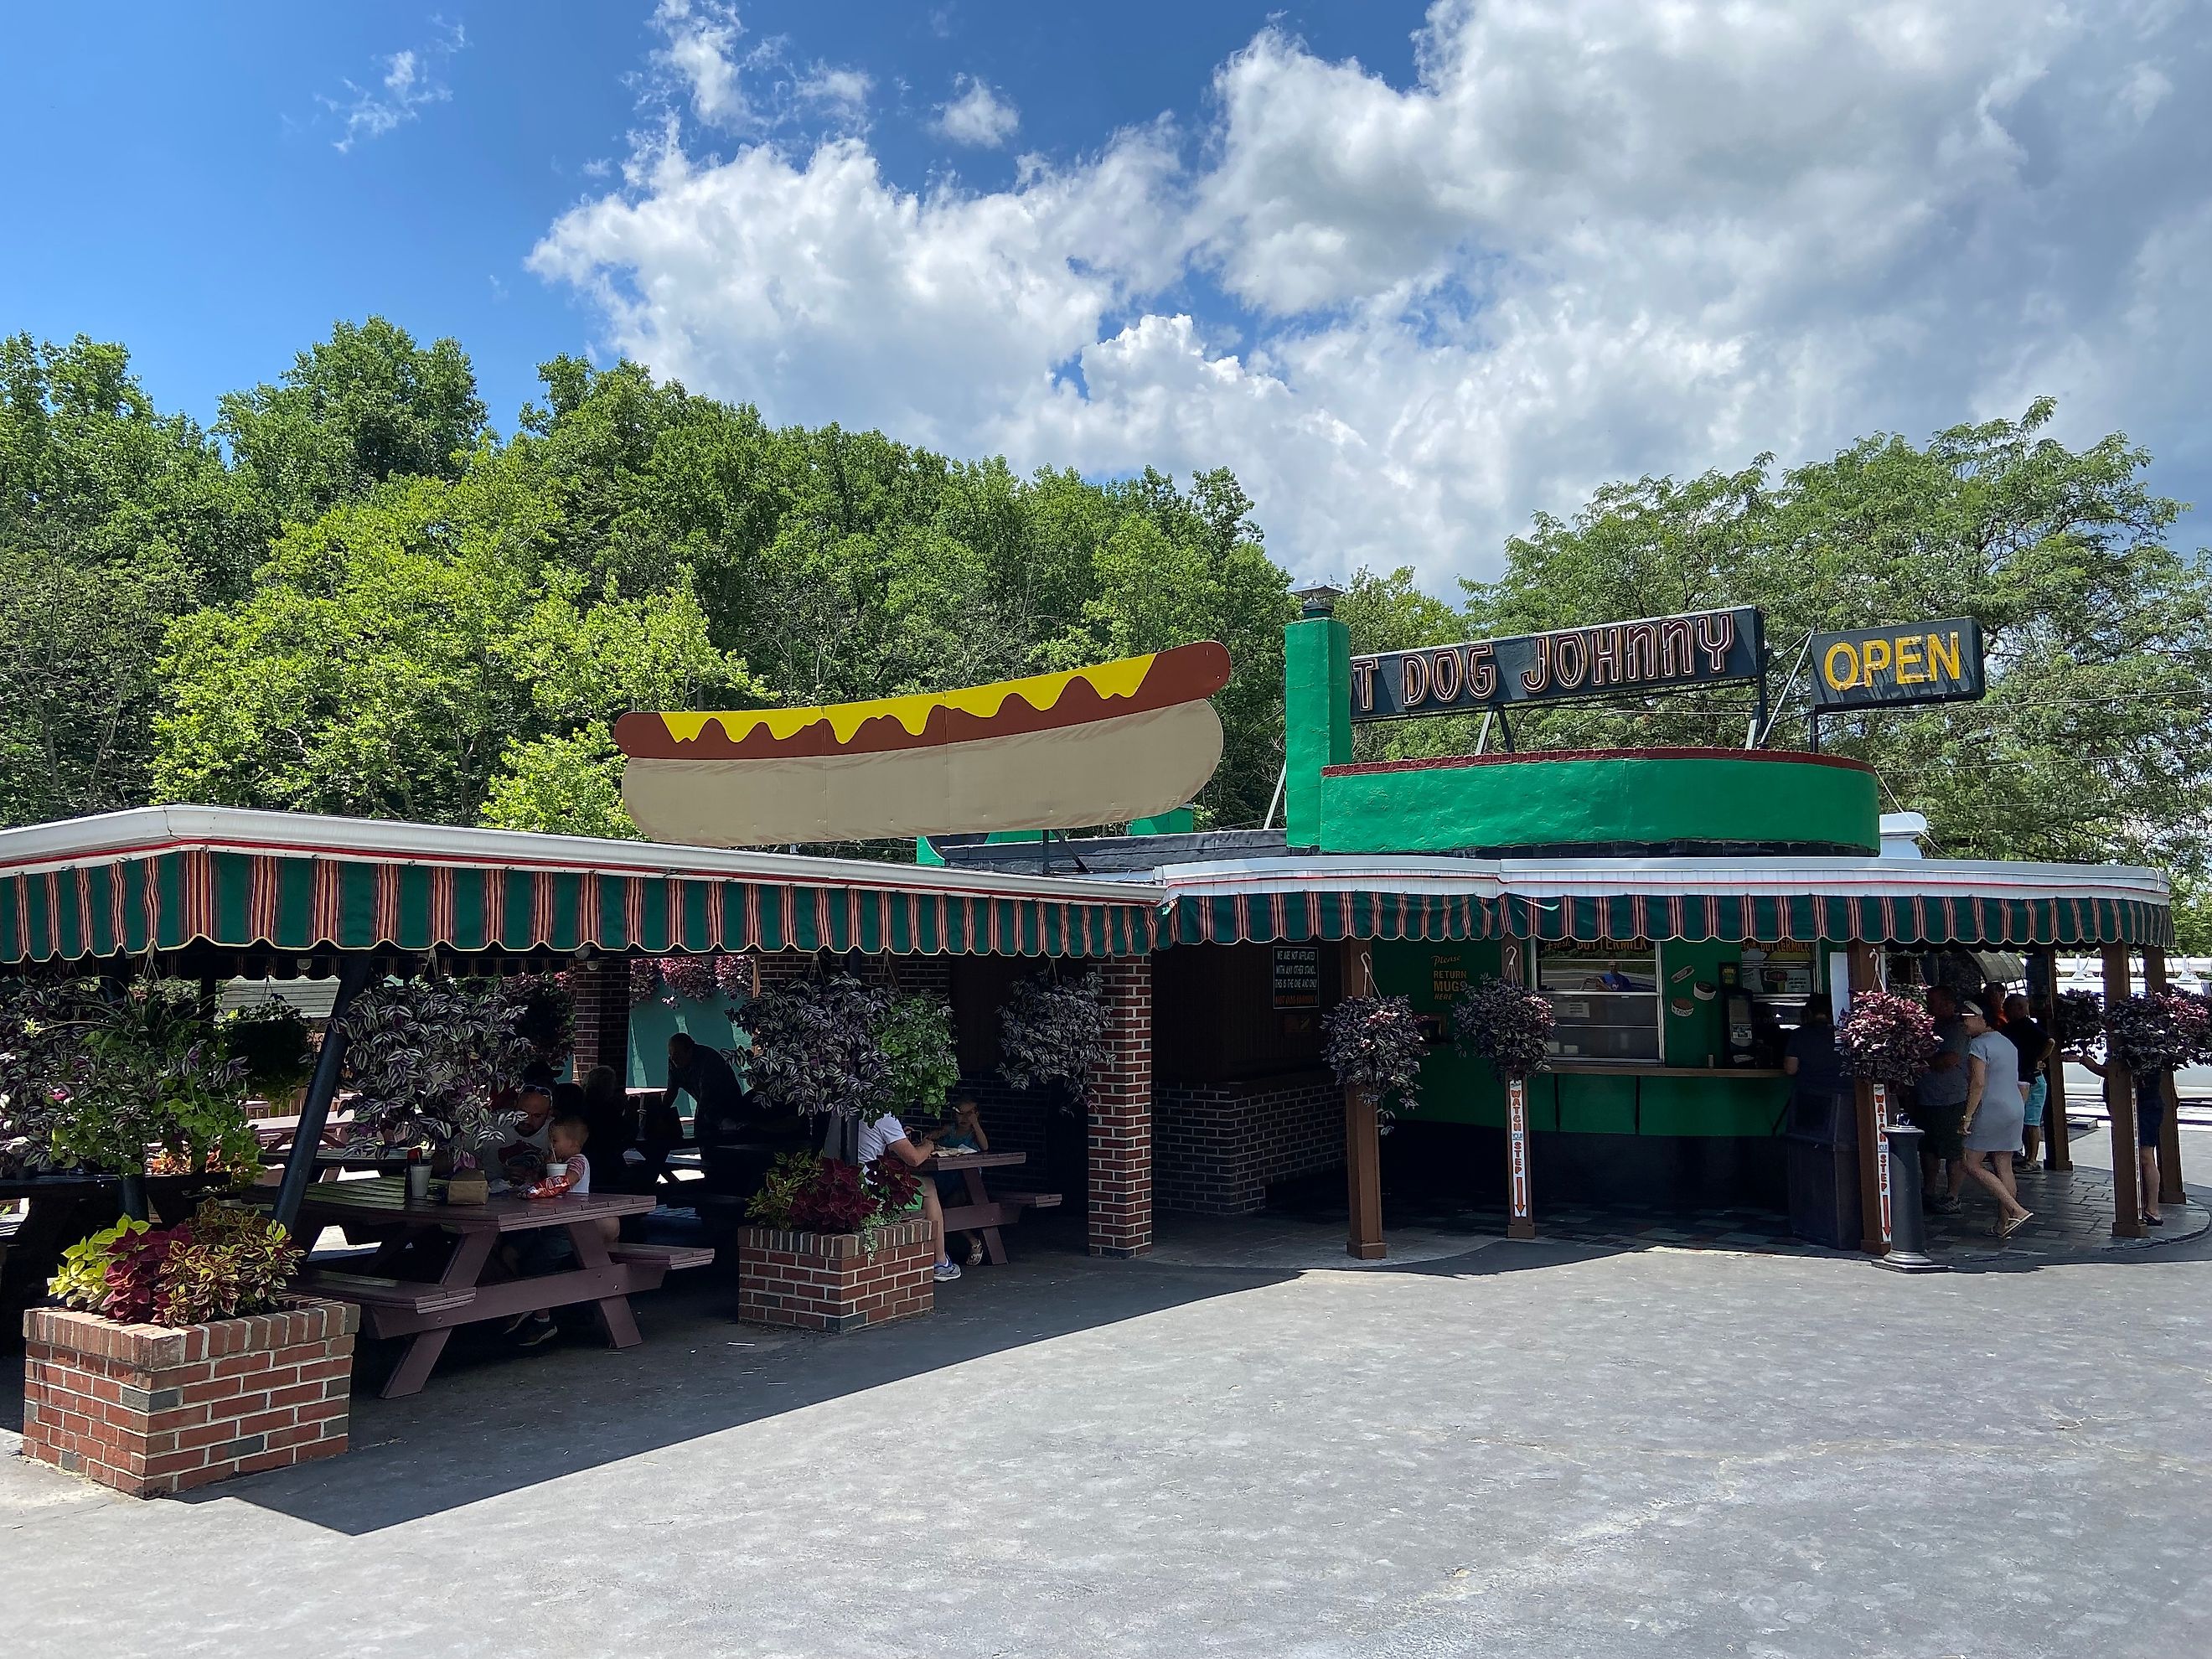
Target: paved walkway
(1529,1449)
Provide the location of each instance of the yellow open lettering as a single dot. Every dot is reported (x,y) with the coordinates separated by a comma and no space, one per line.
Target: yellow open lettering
(1875,656)
(1848,676)
(1908,656)
(1943,656)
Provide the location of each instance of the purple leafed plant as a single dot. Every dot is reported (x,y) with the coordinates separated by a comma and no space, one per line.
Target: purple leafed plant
(1053,1033)
(2077,1019)
(2156,1030)
(1505,1023)
(1375,1043)
(814,1048)
(1885,1038)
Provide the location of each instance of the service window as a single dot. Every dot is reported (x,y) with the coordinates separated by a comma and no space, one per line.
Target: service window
(1605,1001)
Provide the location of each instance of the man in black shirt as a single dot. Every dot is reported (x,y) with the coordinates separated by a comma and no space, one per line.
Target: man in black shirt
(719,1104)
(2033,1040)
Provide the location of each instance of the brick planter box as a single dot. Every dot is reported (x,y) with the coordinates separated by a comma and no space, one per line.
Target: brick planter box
(824,1282)
(148,1410)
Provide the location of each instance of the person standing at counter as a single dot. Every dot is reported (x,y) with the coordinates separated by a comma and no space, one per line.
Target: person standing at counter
(1940,1101)
(1991,1126)
(1809,1058)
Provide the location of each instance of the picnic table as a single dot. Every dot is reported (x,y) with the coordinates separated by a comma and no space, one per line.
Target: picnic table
(983,1213)
(426,1311)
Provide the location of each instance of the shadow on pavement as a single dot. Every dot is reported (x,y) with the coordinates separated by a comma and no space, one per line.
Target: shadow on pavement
(494,1420)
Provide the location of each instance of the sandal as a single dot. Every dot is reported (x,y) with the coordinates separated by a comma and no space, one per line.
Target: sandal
(2015,1225)
(2150,1220)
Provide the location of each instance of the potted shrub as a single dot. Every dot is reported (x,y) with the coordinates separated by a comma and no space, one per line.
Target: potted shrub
(113,1081)
(271,1042)
(833,1246)
(431,1063)
(179,1356)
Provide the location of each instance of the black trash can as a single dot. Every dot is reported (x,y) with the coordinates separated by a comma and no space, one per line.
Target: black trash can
(1821,1149)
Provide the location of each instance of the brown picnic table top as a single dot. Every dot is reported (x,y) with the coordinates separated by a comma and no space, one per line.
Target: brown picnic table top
(384,1199)
(427,1310)
(983,1213)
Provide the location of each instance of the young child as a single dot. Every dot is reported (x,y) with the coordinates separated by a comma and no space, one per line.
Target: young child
(965,1133)
(548,1249)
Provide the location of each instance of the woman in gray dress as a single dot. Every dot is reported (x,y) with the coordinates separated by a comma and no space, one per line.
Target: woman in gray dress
(1996,1101)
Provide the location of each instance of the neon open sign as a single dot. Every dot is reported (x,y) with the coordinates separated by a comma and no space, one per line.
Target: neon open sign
(1905,663)
(1653,653)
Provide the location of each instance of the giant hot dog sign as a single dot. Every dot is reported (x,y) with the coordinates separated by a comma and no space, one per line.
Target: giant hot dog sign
(1613,659)
(1103,745)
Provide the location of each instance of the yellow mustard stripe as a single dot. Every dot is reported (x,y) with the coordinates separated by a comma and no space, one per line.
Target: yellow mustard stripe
(1119,678)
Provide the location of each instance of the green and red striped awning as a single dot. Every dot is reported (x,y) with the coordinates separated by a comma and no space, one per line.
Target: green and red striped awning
(1768,901)
(167,878)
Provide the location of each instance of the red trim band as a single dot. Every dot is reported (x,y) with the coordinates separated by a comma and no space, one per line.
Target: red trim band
(1439,762)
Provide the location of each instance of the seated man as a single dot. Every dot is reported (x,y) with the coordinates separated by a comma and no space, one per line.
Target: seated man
(886,1134)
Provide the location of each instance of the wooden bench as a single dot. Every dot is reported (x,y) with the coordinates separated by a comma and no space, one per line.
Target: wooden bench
(372,1293)
(652,1262)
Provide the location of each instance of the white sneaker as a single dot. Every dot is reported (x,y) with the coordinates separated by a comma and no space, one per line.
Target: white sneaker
(947,1270)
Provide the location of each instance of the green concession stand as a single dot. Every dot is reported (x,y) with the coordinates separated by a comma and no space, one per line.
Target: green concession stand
(1675,906)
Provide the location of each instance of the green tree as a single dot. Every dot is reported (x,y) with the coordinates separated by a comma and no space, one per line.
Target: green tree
(399,650)
(113,519)
(365,405)
(2099,634)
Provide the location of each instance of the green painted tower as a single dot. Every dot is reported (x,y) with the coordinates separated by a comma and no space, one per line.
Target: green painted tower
(1316,709)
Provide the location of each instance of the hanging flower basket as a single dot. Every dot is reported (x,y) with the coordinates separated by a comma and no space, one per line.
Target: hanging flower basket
(672,979)
(814,1046)
(2157,1030)
(1886,1038)
(2077,1019)
(1505,1023)
(1374,1044)
(1053,1033)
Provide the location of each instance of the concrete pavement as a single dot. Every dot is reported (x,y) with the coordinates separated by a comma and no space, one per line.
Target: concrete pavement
(1523,1450)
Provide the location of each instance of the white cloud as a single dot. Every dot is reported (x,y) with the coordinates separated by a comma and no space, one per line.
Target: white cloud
(977,115)
(699,54)
(1589,241)
(409,85)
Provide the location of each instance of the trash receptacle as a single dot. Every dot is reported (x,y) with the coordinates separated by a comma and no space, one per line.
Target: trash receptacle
(1823,1154)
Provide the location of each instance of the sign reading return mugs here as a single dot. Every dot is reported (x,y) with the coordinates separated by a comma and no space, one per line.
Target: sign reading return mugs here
(1654,653)
(1905,663)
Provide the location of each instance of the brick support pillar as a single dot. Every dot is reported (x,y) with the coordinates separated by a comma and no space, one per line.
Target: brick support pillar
(600,989)
(1121,1115)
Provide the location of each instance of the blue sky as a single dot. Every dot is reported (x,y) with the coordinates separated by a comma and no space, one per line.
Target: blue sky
(194,203)
(1414,273)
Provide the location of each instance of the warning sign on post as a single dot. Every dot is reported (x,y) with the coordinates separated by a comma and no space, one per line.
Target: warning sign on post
(1297,976)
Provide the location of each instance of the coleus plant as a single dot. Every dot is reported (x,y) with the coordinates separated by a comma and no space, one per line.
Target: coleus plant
(224,1262)
(700,978)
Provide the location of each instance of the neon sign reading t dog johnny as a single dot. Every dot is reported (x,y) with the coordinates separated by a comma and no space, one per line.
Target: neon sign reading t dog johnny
(1653,653)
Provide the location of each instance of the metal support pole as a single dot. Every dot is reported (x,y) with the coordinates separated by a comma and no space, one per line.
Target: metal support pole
(1908,1241)
(1873,1115)
(353,973)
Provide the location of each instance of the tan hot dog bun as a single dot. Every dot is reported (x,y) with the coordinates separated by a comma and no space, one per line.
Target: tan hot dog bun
(1102,745)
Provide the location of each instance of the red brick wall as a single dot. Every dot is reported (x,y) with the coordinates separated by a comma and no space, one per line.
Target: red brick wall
(827,1282)
(148,1409)
(1216,1145)
(1121,1115)
(600,990)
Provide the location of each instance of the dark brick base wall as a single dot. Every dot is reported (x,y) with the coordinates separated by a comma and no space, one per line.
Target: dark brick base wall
(1216,1145)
